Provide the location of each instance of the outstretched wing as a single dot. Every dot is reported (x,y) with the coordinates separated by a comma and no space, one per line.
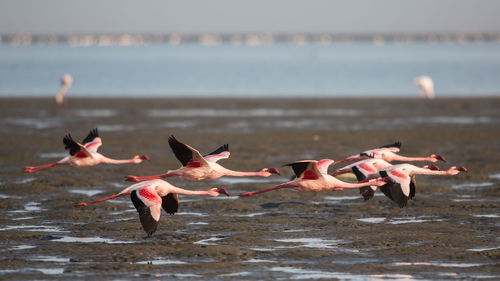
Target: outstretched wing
(71,145)
(399,189)
(395,147)
(148,205)
(306,169)
(187,155)
(92,142)
(220,153)
(170,203)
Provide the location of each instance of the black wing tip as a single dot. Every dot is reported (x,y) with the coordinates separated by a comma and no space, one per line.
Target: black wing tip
(397,144)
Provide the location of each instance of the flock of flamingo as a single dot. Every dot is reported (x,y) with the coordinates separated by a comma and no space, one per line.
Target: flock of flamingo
(372,170)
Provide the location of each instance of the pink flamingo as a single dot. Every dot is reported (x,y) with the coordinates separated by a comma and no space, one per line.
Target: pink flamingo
(400,179)
(388,153)
(85,155)
(362,169)
(150,197)
(196,167)
(312,176)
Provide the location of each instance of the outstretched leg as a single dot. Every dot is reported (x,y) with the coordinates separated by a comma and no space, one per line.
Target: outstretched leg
(290,184)
(100,200)
(136,179)
(31,169)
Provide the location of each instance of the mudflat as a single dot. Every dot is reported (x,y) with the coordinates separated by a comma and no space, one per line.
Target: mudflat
(449,231)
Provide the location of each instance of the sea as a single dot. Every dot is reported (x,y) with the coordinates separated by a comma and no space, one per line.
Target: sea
(357,69)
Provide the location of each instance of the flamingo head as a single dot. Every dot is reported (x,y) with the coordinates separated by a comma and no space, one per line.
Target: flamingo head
(462,169)
(431,167)
(221,190)
(436,157)
(145,157)
(270,171)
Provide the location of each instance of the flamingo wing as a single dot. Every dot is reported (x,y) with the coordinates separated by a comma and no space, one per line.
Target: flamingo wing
(74,148)
(148,204)
(92,142)
(220,153)
(306,169)
(185,153)
(399,189)
(362,169)
(395,147)
(170,203)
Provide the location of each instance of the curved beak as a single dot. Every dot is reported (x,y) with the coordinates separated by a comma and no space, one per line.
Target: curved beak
(433,167)
(274,171)
(440,157)
(145,157)
(222,191)
(462,168)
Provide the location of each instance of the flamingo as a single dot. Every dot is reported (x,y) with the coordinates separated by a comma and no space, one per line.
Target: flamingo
(85,155)
(426,86)
(150,197)
(66,81)
(196,167)
(389,154)
(400,186)
(362,169)
(312,176)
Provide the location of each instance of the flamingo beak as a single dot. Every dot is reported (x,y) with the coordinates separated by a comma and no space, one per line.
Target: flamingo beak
(222,191)
(462,169)
(433,167)
(440,157)
(273,171)
(145,157)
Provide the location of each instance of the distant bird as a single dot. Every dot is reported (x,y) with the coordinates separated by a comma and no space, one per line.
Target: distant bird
(362,169)
(196,167)
(85,155)
(150,197)
(426,86)
(312,176)
(66,81)
(388,153)
(400,186)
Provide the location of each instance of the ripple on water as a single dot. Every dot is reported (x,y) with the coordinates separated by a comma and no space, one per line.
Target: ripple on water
(471,185)
(483,249)
(495,176)
(69,239)
(260,112)
(95,112)
(438,264)
(208,241)
(33,228)
(310,243)
(405,220)
(29,207)
(53,155)
(161,262)
(50,259)
(297,273)
(37,123)
(88,192)
(24,180)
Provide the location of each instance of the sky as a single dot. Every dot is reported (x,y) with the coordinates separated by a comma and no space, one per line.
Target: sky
(228,16)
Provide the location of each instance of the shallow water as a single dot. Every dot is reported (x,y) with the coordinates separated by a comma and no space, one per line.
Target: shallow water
(449,231)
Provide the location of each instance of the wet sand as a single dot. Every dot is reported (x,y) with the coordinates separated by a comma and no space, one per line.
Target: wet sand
(450,231)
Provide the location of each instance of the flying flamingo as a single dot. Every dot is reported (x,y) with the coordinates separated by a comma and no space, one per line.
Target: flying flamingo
(84,155)
(66,81)
(362,169)
(150,196)
(400,179)
(196,167)
(426,86)
(389,154)
(312,176)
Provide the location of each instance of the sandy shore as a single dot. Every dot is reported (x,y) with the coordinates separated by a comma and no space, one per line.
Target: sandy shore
(449,231)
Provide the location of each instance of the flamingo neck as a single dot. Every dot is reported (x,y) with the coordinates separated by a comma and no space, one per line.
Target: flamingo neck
(232,173)
(117,161)
(404,158)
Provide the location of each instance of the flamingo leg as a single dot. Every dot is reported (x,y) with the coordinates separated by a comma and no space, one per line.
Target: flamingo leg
(31,169)
(283,185)
(136,179)
(100,200)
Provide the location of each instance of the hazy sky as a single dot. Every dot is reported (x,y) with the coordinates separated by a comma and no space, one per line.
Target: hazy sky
(66,16)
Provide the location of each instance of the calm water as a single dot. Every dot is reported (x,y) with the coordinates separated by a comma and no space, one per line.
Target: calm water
(358,69)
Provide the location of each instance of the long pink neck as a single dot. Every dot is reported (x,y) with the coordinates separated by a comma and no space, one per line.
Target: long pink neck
(397,157)
(422,171)
(147,178)
(116,161)
(289,184)
(232,173)
(343,184)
